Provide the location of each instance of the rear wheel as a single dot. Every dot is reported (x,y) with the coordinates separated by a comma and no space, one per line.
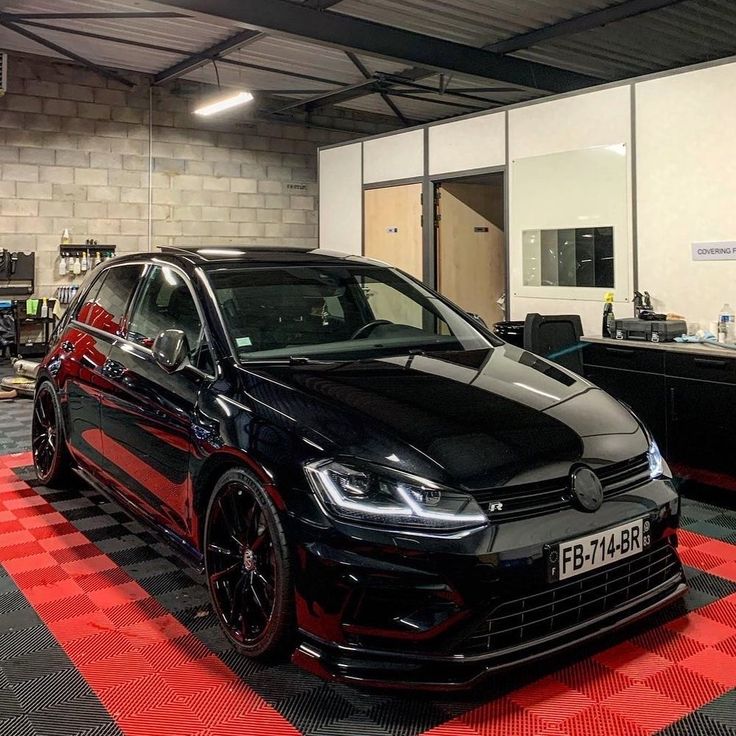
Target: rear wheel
(48,445)
(248,567)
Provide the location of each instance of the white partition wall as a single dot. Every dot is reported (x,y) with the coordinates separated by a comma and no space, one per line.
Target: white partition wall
(341,198)
(680,184)
(686,185)
(394,157)
(597,119)
(464,145)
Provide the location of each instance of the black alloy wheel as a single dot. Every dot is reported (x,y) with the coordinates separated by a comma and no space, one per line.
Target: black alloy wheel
(248,568)
(50,457)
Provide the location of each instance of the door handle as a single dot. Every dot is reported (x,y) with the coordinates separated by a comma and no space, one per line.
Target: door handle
(621,351)
(711,362)
(67,346)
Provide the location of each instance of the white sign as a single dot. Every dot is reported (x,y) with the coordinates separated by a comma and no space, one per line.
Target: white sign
(719,250)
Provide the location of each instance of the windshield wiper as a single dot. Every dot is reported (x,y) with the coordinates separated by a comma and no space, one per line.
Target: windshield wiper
(292,360)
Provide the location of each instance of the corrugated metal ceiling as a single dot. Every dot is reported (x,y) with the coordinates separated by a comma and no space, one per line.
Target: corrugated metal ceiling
(472,22)
(687,32)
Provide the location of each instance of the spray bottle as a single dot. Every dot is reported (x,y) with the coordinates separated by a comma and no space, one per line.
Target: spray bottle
(608,328)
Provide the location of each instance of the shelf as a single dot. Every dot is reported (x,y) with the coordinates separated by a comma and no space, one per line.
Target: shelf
(77,247)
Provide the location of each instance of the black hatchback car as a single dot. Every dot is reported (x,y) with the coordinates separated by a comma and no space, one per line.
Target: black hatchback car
(374,482)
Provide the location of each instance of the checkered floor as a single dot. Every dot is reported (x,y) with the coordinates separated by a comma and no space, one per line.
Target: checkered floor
(105,631)
(15,419)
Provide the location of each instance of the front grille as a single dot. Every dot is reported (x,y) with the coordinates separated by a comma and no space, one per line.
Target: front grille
(535,499)
(567,604)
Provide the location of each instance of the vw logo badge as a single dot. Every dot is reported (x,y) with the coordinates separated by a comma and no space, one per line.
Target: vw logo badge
(586,488)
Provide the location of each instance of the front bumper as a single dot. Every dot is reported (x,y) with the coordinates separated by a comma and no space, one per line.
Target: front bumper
(443,613)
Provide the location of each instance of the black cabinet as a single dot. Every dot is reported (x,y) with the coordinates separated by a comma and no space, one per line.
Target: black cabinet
(701,425)
(686,399)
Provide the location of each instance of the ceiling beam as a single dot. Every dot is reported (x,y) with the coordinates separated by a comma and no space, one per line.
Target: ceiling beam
(442,101)
(171,50)
(199,59)
(282,72)
(218,50)
(355,34)
(101,37)
(101,70)
(446,92)
(578,24)
(361,67)
(94,16)
(308,103)
(320,4)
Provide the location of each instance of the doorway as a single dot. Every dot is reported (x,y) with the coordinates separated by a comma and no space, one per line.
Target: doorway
(393,226)
(471,244)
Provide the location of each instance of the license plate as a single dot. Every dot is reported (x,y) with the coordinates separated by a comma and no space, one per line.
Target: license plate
(584,554)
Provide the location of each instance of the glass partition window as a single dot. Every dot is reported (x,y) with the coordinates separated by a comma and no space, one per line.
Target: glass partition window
(569,257)
(570,225)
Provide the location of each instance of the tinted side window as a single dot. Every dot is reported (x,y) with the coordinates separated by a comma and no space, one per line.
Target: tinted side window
(84,309)
(167,303)
(105,306)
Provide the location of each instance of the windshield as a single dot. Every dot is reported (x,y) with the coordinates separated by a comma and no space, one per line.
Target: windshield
(335,312)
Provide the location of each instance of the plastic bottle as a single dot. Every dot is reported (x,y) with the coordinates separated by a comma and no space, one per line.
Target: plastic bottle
(66,237)
(725,323)
(62,266)
(85,263)
(608,327)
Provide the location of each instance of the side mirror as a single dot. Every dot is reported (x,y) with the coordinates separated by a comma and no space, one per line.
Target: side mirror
(171,350)
(477,318)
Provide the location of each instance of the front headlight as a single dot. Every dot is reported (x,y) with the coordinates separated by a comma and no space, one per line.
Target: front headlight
(382,497)
(656,461)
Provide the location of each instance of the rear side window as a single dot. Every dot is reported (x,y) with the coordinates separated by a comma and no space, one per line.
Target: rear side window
(105,305)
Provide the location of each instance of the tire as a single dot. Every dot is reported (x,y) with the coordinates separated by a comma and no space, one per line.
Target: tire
(51,458)
(248,567)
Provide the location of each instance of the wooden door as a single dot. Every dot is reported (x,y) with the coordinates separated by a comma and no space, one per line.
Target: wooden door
(471,247)
(393,227)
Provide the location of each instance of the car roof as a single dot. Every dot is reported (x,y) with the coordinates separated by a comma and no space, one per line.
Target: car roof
(261,255)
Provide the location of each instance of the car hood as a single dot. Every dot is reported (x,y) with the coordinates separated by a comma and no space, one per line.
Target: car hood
(475,419)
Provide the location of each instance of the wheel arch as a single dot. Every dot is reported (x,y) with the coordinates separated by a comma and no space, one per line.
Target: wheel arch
(45,375)
(210,472)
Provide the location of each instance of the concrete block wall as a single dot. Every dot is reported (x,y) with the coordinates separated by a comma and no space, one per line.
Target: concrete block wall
(76,150)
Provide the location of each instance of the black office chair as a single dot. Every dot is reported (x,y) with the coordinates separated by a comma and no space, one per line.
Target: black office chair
(555,337)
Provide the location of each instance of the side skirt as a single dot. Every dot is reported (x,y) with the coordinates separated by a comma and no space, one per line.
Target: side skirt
(184,549)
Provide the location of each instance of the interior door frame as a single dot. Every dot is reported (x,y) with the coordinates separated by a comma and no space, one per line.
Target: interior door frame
(429,233)
(436,183)
(388,185)
(431,237)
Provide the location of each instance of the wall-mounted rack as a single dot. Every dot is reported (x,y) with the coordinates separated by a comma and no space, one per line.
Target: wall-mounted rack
(66,249)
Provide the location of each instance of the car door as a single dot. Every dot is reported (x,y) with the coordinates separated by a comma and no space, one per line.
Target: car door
(147,413)
(79,356)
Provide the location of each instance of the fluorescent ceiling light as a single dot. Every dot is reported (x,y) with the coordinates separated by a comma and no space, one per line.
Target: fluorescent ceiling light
(225,103)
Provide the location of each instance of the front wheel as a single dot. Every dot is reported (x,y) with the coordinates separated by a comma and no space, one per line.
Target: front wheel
(50,456)
(248,568)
